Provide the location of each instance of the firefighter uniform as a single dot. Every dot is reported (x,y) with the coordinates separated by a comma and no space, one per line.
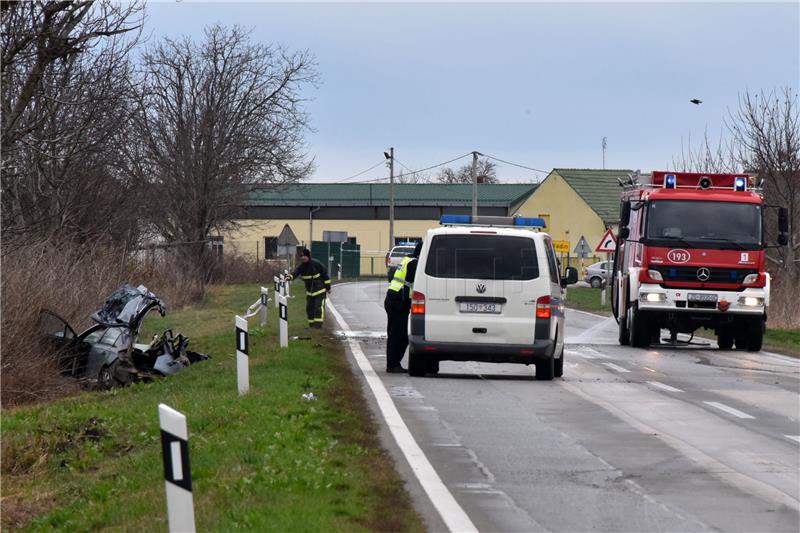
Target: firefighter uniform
(398,305)
(315,277)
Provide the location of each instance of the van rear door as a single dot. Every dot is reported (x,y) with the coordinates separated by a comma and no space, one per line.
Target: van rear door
(481,288)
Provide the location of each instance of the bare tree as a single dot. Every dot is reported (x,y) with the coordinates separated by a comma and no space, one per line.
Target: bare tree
(765,131)
(486,172)
(66,102)
(218,119)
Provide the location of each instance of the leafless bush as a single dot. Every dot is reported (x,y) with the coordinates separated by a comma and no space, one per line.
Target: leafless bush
(239,269)
(784,295)
(73,281)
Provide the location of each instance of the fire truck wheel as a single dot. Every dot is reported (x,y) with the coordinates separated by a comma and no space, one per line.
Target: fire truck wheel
(623,330)
(755,335)
(638,328)
(725,340)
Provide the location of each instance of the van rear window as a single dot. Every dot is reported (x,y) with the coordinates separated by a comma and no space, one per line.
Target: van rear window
(482,257)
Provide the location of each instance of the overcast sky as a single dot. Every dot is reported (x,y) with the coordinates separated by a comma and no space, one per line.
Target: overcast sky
(538,84)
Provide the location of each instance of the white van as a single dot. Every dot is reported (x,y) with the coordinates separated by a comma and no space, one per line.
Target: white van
(488,289)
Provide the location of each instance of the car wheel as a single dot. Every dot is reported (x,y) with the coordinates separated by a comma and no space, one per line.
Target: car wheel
(545,370)
(595,282)
(416,364)
(105,378)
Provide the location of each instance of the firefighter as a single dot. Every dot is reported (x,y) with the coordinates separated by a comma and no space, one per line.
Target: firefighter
(315,277)
(398,304)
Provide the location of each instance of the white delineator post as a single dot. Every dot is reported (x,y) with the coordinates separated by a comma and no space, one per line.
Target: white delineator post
(177,474)
(277,290)
(264,300)
(283,315)
(242,357)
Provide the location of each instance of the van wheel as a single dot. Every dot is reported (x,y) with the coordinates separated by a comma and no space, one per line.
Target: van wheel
(558,365)
(416,364)
(545,370)
(433,366)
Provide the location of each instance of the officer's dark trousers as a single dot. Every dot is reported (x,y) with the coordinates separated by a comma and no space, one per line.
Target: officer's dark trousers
(396,329)
(315,309)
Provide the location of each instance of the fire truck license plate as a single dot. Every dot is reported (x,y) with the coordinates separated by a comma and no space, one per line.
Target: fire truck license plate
(705,298)
(470,307)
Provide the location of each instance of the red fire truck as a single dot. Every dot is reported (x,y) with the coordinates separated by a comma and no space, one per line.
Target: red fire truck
(690,255)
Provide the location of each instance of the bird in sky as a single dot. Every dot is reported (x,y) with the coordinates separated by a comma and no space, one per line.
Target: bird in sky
(695,101)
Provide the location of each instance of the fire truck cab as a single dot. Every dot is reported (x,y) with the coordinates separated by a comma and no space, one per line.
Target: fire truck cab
(690,254)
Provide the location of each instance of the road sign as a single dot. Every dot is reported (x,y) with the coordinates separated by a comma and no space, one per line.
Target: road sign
(561,246)
(608,243)
(582,249)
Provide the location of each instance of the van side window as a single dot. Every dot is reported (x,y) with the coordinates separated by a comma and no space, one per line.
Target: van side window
(551,261)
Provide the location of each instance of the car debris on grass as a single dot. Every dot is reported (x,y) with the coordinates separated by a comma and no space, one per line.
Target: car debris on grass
(107,354)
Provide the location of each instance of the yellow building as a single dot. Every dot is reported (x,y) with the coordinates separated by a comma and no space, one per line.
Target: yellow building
(359,213)
(577,203)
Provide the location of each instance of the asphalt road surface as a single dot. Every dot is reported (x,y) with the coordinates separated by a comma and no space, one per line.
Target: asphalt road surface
(683,439)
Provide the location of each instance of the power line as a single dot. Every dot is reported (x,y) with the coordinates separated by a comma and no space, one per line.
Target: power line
(515,164)
(361,173)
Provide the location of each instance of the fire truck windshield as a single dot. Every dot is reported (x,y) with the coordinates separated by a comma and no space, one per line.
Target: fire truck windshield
(703,224)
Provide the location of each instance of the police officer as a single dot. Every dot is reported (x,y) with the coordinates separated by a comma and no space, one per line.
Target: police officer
(398,305)
(318,284)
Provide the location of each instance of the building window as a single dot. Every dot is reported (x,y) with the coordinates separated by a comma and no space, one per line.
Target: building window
(216,246)
(546,217)
(270,247)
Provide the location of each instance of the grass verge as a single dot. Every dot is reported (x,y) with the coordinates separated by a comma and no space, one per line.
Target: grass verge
(785,341)
(268,461)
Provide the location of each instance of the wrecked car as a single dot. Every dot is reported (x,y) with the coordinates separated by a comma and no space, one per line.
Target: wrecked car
(107,354)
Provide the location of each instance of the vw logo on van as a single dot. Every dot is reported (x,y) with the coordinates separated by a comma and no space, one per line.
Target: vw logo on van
(481,288)
(703,274)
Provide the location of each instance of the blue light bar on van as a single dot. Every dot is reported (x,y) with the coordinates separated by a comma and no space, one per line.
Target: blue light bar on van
(468,220)
(530,222)
(455,219)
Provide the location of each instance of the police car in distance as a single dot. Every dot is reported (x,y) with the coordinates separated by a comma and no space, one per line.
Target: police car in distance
(488,289)
(396,255)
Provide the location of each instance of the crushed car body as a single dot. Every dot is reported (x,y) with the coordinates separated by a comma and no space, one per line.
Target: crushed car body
(107,354)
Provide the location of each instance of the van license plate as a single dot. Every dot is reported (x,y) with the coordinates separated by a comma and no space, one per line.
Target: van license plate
(474,307)
(703,298)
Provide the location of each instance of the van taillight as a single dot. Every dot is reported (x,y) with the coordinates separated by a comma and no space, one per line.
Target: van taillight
(543,307)
(417,303)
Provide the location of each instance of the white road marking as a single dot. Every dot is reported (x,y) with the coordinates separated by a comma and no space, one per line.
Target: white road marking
(793,437)
(650,369)
(618,368)
(730,410)
(664,386)
(451,512)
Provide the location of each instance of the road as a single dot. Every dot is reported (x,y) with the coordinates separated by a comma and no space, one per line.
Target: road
(688,439)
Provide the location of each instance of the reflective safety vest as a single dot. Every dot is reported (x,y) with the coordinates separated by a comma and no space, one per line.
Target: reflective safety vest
(399,280)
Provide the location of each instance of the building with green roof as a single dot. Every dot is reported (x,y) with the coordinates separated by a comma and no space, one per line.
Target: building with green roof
(359,213)
(578,203)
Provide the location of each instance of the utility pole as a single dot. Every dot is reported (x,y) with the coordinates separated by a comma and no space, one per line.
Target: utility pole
(390,157)
(474,184)
(604,152)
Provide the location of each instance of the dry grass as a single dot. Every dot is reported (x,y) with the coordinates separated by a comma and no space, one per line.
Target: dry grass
(784,309)
(73,281)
